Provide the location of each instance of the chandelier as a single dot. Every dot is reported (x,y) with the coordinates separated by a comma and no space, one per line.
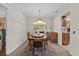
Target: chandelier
(39,24)
(39,20)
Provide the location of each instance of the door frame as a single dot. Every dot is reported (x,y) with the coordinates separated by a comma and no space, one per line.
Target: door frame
(64,14)
(7,16)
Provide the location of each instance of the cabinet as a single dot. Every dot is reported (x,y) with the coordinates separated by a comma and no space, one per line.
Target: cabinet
(65,38)
(54,37)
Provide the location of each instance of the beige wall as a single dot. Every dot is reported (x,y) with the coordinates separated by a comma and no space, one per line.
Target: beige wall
(74,42)
(2,11)
(17,29)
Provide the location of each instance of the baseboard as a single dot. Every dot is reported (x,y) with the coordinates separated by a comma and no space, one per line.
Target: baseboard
(67,50)
(15,48)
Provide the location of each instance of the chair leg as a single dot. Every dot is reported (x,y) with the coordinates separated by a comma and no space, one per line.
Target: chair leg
(44,46)
(33,51)
(42,51)
(30,47)
(46,43)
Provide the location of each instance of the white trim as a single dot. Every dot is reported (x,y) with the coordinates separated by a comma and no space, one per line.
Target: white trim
(15,48)
(9,52)
(5,5)
(61,23)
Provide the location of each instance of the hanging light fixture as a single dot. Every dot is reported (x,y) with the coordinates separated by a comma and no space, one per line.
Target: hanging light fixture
(39,23)
(39,19)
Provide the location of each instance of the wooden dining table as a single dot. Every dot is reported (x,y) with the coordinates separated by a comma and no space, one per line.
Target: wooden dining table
(40,36)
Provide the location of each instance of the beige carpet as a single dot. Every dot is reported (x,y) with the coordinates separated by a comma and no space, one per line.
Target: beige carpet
(51,50)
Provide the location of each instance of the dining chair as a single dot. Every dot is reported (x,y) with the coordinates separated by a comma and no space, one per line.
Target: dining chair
(37,43)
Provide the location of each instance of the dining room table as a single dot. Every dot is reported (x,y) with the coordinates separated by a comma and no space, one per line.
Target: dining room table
(37,37)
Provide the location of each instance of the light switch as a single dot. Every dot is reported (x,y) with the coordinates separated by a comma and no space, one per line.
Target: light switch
(73,32)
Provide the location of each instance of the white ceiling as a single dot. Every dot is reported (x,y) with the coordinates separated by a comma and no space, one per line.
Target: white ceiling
(48,10)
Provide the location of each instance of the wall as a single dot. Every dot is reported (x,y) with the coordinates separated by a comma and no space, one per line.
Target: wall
(74,42)
(57,28)
(2,11)
(16,29)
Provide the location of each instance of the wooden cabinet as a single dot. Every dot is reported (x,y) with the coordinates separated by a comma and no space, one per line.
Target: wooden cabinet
(54,37)
(65,38)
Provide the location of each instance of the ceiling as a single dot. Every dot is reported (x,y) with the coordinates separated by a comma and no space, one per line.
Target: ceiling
(48,10)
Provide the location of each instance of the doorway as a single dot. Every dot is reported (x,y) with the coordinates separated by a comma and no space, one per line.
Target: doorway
(2,30)
(65,29)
